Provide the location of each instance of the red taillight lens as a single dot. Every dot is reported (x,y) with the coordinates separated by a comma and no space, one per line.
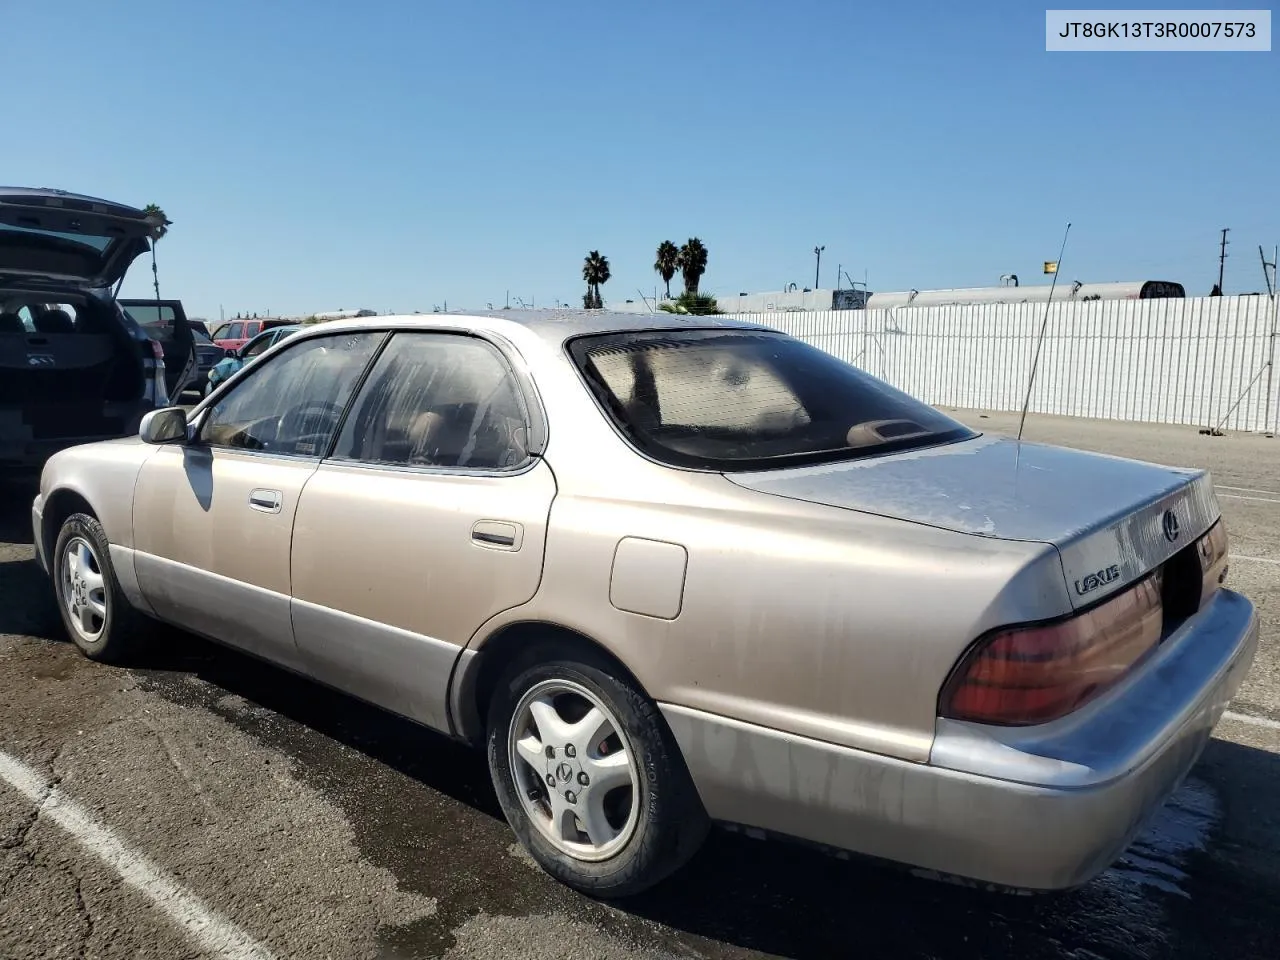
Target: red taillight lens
(1028,675)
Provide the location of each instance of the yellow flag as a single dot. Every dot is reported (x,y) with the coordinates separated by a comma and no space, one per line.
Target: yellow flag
(1051,266)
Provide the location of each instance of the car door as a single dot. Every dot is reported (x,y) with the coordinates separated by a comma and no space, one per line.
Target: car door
(231,337)
(436,505)
(166,321)
(213,517)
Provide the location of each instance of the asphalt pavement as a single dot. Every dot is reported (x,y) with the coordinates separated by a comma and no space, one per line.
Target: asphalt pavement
(203,804)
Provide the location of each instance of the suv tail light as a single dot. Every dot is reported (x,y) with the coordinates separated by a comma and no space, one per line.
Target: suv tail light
(158,374)
(1034,674)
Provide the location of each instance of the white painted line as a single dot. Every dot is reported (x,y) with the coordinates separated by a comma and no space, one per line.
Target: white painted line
(1236,556)
(1253,721)
(214,934)
(1236,496)
(1223,486)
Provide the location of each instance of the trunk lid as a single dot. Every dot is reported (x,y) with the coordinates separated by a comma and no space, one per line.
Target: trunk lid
(60,236)
(1111,519)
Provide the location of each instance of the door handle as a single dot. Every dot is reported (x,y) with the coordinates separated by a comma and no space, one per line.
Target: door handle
(267,501)
(497,534)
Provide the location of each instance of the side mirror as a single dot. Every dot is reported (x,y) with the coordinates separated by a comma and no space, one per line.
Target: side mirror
(164,426)
(231,352)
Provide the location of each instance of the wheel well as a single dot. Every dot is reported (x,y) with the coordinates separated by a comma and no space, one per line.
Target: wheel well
(507,646)
(61,504)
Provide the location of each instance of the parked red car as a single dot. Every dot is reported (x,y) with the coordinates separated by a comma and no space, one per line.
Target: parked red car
(234,334)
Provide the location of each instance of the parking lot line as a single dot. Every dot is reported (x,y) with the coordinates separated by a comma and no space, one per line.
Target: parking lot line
(1238,556)
(1252,720)
(1236,496)
(1223,486)
(214,934)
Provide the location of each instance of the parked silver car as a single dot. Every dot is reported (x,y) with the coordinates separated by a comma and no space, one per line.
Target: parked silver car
(672,571)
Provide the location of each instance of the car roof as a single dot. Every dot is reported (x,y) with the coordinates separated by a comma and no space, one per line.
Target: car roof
(552,326)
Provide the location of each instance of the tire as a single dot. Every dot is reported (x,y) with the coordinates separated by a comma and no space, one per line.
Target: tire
(112,629)
(657,832)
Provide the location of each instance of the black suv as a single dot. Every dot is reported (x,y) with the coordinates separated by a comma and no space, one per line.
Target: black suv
(74,365)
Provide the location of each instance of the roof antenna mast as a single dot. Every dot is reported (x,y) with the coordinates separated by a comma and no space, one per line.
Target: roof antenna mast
(1044,324)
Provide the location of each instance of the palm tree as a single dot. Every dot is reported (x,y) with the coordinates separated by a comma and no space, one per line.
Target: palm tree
(160,226)
(692,263)
(667,263)
(595,270)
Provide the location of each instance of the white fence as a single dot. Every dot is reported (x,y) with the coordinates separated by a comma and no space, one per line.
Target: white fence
(1204,361)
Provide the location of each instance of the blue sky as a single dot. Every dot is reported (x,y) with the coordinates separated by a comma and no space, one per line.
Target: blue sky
(393,154)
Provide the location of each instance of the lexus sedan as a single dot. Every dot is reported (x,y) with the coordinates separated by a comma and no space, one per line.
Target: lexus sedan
(672,571)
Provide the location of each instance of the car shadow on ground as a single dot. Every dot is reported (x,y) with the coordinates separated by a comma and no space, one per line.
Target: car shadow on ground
(1172,895)
(422,806)
(27,606)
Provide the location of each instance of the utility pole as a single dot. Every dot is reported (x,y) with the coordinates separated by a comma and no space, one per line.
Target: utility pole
(1222,257)
(817,270)
(1268,272)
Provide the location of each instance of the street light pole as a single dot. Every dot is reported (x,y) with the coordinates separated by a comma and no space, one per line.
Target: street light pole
(817,270)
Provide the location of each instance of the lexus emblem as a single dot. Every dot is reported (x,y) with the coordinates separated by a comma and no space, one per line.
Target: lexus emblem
(1170,525)
(564,772)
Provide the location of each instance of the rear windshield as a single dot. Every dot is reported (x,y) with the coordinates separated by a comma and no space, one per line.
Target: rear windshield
(747,400)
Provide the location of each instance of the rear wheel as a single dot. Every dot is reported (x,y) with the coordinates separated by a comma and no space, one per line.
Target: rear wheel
(590,778)
(95,612)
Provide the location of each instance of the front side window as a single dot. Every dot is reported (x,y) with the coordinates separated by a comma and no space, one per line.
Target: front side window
(258,346)
(291,403)
(235,331)
(438,400)
(734,399)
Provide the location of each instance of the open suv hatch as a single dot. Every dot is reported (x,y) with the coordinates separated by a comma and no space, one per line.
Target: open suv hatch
(74,366)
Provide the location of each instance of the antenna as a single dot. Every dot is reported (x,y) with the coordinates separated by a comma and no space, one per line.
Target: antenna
(1044,324)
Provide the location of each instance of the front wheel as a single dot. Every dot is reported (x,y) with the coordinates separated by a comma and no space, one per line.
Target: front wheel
(96,613)
(590,778)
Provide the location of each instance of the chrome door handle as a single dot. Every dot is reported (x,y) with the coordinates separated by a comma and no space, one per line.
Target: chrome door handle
(267,501)
(497,534)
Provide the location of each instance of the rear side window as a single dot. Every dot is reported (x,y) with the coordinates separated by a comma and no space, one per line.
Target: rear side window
(438,400)
(746,400)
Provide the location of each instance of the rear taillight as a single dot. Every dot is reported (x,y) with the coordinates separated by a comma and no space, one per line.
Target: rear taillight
(1026,675)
